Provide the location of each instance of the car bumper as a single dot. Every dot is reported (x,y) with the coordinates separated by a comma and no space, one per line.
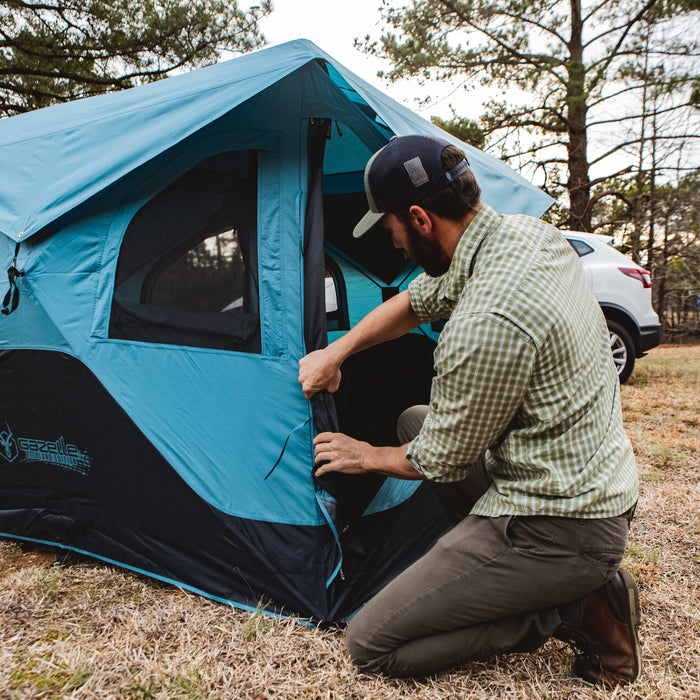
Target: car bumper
(650,337)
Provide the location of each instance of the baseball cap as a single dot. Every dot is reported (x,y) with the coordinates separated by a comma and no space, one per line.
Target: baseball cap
(404,172)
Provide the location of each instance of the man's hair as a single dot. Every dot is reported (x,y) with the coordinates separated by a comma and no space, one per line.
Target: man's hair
(455,200)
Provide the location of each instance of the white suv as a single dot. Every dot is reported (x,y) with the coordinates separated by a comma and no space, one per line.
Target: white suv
(623,290)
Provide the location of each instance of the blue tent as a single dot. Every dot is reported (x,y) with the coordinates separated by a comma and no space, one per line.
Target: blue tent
(167,248)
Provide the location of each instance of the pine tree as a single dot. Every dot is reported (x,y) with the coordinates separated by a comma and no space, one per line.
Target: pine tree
(58,50)
(566,72)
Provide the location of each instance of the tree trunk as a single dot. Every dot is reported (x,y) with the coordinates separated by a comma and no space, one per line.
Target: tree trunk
(579,184)
(661,286)
(652,199)
(638,216)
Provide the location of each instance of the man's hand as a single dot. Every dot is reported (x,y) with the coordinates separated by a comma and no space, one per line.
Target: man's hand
(337,452)
(321,369)
(341,454)
(317,371)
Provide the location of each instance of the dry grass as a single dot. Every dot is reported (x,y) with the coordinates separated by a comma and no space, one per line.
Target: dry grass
(85,630)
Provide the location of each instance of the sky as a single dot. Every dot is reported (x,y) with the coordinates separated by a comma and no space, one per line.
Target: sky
(333,26)
(330,24)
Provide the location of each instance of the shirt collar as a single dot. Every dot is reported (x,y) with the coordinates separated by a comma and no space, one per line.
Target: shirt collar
(458,273)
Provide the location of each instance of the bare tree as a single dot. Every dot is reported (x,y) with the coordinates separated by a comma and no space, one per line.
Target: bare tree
(569,73)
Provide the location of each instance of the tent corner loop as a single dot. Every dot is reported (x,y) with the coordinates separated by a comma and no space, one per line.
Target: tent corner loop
(11,300)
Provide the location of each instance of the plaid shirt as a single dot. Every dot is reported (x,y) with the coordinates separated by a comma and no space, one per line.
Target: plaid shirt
(524,374)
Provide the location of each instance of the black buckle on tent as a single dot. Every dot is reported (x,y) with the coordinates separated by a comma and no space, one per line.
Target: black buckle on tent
(11,300)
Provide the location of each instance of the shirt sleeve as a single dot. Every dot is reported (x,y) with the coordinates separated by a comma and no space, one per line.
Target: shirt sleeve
(427,299)
(483,364)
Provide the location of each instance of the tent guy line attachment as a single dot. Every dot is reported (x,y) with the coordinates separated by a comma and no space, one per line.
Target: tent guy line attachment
(11,300)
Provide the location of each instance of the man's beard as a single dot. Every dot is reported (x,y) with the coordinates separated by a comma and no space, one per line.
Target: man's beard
(425,253)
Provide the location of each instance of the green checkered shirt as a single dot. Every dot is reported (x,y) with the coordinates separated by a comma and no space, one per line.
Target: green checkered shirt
(523,373)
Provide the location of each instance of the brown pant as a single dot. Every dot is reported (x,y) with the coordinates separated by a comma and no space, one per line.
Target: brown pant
(489,585)
(457,497)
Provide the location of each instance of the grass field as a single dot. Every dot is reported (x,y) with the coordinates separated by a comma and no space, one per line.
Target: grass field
(86,630)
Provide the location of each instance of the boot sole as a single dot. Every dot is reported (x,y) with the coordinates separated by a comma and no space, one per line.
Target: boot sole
(633,610)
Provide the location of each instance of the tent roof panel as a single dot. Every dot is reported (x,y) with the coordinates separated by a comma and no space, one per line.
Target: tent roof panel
(56,158)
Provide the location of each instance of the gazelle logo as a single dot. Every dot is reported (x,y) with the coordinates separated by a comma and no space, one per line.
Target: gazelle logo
(57,453)
(8,445)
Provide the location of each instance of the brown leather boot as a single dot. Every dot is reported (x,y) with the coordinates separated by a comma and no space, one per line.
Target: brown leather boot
(605,631)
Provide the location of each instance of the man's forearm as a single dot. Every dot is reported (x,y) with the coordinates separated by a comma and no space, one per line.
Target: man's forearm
(392,319)
(391,461)
(321,369)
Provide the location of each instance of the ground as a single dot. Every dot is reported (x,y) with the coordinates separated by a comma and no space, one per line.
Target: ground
(87,630)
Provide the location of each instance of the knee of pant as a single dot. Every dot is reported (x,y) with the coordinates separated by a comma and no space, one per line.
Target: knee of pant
(410,422)
(356,644)
(361,651)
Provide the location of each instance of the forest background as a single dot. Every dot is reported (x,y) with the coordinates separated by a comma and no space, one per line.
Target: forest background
(596,102)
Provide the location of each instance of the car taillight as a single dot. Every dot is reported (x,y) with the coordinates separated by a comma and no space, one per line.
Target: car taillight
(644,276)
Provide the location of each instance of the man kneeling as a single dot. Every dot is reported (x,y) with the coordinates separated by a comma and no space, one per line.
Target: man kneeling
(522,439)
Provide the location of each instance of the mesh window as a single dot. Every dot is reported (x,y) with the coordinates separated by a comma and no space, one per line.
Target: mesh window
(187,270)
(375,252)
(211,276)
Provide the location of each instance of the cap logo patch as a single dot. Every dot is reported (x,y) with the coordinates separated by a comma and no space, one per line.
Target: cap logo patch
(416,172)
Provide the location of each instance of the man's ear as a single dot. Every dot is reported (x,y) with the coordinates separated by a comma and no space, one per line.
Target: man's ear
(421,219)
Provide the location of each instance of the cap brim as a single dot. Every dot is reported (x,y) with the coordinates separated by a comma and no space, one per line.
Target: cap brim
(370,219)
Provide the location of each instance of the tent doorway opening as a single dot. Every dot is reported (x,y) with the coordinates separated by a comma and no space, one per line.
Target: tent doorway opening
(377,384)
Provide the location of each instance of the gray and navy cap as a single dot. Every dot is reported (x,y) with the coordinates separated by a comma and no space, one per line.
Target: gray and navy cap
(404,172)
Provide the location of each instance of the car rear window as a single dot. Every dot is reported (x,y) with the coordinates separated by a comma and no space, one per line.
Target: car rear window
(580,247)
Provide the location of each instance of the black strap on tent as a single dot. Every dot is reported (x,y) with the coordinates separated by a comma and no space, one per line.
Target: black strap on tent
(11,300)
(315,334)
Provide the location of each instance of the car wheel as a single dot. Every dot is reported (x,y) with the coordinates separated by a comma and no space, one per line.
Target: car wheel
(622,350)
